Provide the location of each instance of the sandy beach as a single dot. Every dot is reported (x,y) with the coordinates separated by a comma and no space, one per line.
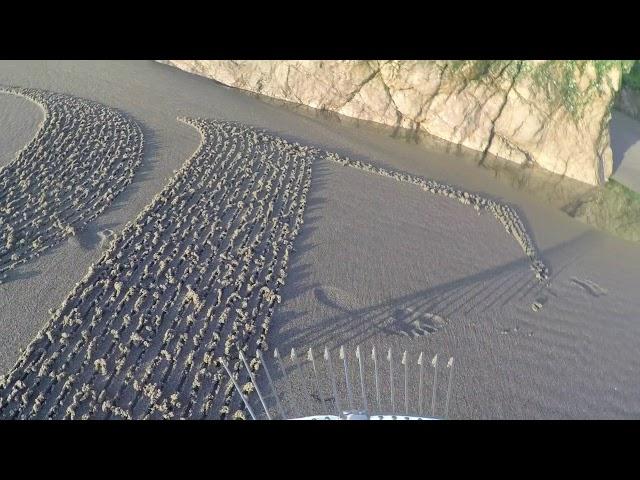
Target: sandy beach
(376,261)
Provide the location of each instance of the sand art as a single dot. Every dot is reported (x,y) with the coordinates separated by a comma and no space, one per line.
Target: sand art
(198,273)
(82,157)
(505,214)
(192,280)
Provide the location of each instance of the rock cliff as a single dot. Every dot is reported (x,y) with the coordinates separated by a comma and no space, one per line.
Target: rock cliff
(551,113)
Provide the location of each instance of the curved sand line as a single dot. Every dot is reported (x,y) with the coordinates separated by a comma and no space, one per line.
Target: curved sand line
(505,214)
(143,334)
(196,274)
(82,157)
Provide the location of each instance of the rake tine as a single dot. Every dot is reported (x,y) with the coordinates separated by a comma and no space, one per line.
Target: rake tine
(434,364)
(405,362)
(255,384)
(450,367)
(315,374)
(390,358)
(239,390)
(421,363)
(276,355)
(273,388)
(364,394)
(343,356)
(375,372)
(336,400)
(294,359)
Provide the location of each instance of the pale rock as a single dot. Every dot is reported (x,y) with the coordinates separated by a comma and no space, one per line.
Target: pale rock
(504,115)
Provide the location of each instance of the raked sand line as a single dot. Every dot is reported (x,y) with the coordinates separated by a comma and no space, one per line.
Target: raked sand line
(196,274)
(505,214)
(82,157)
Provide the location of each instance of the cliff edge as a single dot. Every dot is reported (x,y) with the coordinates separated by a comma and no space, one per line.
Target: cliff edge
(551,113)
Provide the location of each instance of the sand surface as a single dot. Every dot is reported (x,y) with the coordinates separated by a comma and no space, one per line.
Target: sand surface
(19,122)
(377,260)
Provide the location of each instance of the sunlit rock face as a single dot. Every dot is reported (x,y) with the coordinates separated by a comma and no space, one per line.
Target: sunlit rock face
(500,111)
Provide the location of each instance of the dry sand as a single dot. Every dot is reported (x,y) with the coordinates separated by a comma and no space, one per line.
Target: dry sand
(19,122)
(82,157)
(378,259)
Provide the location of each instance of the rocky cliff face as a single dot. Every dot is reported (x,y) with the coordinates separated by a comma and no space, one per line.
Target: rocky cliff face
(628,101)
(529,112)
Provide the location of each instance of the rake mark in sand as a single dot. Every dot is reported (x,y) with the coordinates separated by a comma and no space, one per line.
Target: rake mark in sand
(178,294)
(82,157)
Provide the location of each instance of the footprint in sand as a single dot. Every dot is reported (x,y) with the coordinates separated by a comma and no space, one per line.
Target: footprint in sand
(105,237)
(590,287)
(405,321)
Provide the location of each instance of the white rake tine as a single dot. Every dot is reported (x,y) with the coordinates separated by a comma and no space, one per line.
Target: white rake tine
(255,384)
(273,388)
(239,390)
(303,379)
(450,367)
(375,372)
(343,356)
(364,394)
(336,400)
(421,363)
(434,363)
(315,374)
(292,401)
(405,362)
(390,358)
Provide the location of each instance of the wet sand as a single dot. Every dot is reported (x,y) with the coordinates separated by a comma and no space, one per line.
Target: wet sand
(377,259)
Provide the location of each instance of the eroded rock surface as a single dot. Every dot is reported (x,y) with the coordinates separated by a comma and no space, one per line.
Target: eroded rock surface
(501,110)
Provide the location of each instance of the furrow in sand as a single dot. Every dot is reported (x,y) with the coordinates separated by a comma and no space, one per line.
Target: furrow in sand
(195,277)
(82,157)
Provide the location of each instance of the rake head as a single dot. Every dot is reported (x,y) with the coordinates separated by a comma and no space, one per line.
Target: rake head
(347,385)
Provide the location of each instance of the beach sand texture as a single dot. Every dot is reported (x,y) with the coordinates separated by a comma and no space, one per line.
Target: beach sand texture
(378,259)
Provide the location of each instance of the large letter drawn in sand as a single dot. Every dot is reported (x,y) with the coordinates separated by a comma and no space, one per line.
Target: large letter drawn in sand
(83,155)
(193,278)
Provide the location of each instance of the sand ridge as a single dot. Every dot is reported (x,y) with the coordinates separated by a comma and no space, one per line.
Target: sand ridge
(83,155)
(197,274)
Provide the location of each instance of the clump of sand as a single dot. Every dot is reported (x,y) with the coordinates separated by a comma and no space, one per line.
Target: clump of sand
(194,278)
(82,157)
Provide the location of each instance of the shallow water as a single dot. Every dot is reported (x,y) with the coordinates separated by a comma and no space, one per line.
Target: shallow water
(625,143)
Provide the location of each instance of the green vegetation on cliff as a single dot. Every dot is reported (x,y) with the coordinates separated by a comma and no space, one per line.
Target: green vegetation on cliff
(558,79)
(631,78)
(613,208)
